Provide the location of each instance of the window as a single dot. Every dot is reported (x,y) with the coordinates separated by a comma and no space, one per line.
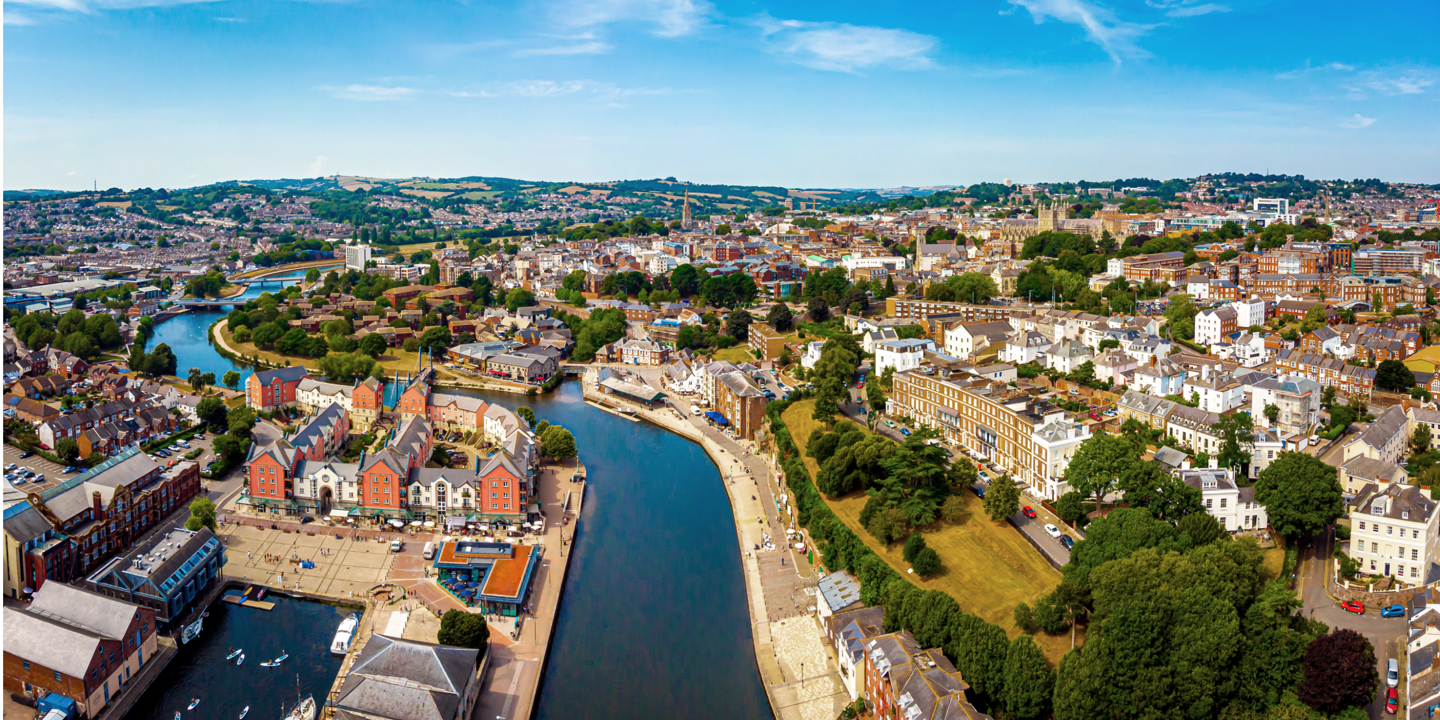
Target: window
(1362,524)
(1413,572)
(57,676)
(1222,503)
(1389,530)
(27,664)
(1414,554)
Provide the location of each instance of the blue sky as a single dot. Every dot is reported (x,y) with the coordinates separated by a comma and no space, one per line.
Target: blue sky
(134,93)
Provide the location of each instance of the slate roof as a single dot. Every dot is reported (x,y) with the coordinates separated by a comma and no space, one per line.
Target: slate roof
(52,643)
(104,615)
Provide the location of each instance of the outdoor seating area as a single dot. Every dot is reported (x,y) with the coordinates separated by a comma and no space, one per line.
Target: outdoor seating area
(463,585)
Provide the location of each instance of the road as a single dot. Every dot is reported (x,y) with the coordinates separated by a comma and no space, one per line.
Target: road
(1385,634)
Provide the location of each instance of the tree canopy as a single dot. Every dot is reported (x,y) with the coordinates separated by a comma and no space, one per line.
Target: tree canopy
(1300,493)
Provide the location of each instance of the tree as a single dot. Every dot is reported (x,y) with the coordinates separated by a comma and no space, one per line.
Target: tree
(1029,681)
(737,325)
(558,443)
(1099,464)
(373,345)
(913,545)
(240,422)
(212,412)
(927,562)
(232,379)
(818,309)
(1237,439)
(196,381)
(1300,493)
(463,629)
(1339,672)
(1024,618)
(266,335)
(1071,507)
(1002,498)
(67,450)
(1420,441)
(436,340)
(1202,528)
(518,298)
(202,514)
(1272,413)
(1394,376)
(780,318)
(1327,397)
(953,509)
(525,412)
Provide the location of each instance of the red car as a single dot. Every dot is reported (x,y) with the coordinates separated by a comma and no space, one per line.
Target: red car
(1392,701)
(1354,606)
(1028,511)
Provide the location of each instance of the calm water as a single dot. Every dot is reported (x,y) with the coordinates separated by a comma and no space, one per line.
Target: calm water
(654,621)
(187,337)
(299,627)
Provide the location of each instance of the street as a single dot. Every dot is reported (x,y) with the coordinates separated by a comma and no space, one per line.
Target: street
(1385,634)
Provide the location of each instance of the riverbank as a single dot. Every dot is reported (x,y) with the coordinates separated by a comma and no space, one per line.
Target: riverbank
(289,268)
(797,667)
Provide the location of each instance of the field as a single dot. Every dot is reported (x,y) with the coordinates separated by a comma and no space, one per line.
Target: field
(480,195)
(987,566)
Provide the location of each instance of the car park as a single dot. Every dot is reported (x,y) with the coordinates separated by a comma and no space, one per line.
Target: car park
(1053,531)
(1390,611)
(1028,512)
(1354,606)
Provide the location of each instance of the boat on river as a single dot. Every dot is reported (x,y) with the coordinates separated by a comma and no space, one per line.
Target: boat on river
(234,654)
(191,630)
(303,710)
(244,712)
(344,635)
(193,703)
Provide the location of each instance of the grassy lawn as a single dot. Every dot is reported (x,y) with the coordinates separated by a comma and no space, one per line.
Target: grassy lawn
(1274,563)
(736,354)
(987,566)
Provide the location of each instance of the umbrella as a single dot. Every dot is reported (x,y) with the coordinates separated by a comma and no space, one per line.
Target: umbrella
(398,523)
(429,523)
(413,523)
(473,584)
(467,593)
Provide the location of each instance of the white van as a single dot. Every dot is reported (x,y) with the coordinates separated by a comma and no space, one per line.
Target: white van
(429,552)
(394,546)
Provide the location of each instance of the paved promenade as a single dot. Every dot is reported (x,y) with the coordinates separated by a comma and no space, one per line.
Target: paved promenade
(797,665)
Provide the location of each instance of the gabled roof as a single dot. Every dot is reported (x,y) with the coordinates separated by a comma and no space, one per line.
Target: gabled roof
(104,615)
(52,643)
(285,374)
(387,457)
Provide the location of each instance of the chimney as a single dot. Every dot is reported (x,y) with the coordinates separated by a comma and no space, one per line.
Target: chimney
(1214,463)
(96,506)
(1185,464)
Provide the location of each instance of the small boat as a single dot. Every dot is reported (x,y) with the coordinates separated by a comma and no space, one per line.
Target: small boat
(241,659)
(283,657)
(234,654)
(260,595)
(303,710)
(193,703)
(191,630)
(269,663)
(177,715)
(244,712)
(344,634)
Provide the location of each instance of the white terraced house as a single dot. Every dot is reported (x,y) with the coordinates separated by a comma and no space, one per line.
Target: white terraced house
(1393,532)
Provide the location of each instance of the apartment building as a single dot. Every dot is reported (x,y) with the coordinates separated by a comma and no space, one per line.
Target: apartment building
(904,681)
(898,307)
(1193,428)
(270,390)
(1213,325)
(312,396)
(1394,532)
(1297,398)
(1346,379)
(1389,261)
(1387,439)
(901,354)
(741,402)
(1032,439)
(968,340)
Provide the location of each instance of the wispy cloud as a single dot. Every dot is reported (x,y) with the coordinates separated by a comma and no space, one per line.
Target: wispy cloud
(318,167)
(1115,36)
(1308,69)
(1187,8)
(1409,84)
(94,5)
(668,18)
(18,18)
(846,48)
(370,93)
(555,88)
(584,44)
(1358,121)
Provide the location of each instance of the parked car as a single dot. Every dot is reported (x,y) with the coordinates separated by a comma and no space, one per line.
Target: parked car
(905,431)
(1028,512)
(1392,701)
(26,454)
(1053,531)
(69,469)
(1095,416)
(979,490)
(1392,611)
(889,424)
(11,467)
(39,479)
(1392,673)
(1067,541)
(1354,606)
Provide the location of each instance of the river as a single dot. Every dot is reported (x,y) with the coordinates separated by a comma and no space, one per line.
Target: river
(299,627)
(654,621)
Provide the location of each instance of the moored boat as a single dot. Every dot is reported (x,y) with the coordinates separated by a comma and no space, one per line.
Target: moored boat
(191,630)
(303,710)
(344,635)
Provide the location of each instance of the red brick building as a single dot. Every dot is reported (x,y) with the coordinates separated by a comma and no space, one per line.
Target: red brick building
(273,389)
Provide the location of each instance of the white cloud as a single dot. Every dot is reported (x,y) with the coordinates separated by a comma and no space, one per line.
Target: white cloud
(670,18)
(1197,10)
(68,174)
(1410,84)
(846,48)
(1115,36)
(93,5)
(582,47)
(15,18)
(1342,67)
(318,167)
(1359,121)
(554,88)
(370,93)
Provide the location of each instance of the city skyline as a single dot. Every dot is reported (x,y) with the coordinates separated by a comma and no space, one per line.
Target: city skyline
(170,94)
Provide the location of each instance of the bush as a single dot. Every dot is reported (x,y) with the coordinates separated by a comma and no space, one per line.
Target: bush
(1050,618)
(463,629)
(1342,532)
(1024,618)
(927,562)
(913,545)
